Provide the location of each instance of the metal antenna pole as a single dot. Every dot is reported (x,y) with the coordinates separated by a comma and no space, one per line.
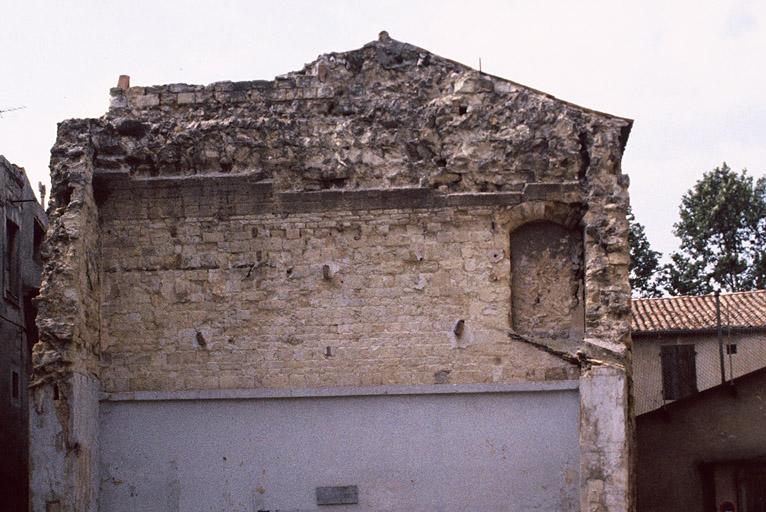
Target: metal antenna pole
(720,334)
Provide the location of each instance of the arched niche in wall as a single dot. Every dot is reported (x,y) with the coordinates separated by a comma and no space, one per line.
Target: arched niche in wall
(547,287)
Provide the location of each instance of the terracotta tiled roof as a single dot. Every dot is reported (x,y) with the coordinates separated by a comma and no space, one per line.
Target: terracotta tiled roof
(743,310)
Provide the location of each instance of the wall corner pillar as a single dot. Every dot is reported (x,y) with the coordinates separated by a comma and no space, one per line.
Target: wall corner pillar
(605,440)
(65,387)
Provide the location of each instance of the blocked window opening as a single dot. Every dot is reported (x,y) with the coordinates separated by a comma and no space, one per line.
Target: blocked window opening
(11,260)
(731,348)
(547,281)
(679,371)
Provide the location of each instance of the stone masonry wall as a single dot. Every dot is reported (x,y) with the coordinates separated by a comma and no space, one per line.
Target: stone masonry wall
(346,224)
(246,299)
(389,116)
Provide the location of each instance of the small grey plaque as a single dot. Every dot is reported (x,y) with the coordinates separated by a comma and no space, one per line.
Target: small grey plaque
(342,495)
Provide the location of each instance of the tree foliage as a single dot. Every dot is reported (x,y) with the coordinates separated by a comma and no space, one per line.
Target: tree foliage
(722,230)
(646,272)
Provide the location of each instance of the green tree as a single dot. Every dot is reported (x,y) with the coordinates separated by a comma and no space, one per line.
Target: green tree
(723,235)
(646,273)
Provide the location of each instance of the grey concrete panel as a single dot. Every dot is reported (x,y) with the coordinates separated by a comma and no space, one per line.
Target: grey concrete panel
(487,451)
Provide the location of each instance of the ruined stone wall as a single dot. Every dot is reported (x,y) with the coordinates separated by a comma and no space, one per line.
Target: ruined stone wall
(348,224)
(66,360)
(69,303)
(388,116)
(208,288)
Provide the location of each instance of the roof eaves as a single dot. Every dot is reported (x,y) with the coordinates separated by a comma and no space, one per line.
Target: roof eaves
(702,330)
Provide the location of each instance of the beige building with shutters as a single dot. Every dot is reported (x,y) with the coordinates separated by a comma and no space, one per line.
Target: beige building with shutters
(700,398)
(676,344)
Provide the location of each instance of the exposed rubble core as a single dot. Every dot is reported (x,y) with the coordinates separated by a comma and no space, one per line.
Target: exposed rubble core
(384,216)
(388,115)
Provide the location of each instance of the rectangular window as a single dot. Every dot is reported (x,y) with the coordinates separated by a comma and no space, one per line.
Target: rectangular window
(37,241)
(731,348)
(15,385)
(679,371)
(11,260)
(15,397)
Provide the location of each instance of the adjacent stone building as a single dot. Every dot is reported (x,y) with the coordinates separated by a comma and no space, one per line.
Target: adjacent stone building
(23,229)
(384,282)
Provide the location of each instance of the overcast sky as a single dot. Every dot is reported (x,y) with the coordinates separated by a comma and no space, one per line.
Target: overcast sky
(691,74)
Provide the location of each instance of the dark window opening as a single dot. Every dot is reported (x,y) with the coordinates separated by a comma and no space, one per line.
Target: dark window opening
(679,371)
(15,385)
(37,241)
(64,197)
(731,348)
(11,260)
(30,314)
